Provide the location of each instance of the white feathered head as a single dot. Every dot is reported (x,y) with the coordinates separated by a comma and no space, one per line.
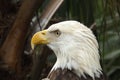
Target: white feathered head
(75,46)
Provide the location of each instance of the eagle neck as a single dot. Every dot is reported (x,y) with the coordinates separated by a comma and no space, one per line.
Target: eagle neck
(78,62)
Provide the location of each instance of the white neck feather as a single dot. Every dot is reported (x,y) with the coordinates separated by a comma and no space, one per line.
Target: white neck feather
(83,60)
(82,63)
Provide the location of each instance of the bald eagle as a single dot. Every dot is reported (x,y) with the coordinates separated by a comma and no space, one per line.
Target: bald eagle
(76,49)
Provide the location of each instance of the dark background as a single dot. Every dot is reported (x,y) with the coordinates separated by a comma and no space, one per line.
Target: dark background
(19,20)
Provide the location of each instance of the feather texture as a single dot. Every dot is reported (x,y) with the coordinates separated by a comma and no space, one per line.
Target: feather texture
(66,74)
(76,48)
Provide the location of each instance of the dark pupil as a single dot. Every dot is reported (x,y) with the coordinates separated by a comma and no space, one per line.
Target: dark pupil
(57,33)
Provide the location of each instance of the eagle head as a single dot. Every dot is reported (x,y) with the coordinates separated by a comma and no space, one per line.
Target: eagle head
(74,45)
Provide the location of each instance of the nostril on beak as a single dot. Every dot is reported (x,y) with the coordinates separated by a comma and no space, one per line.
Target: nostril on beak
(43,33)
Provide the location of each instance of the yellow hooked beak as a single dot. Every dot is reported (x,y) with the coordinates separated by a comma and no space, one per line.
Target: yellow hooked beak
(39,38)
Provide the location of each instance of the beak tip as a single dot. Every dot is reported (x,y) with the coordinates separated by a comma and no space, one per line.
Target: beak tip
(32,46)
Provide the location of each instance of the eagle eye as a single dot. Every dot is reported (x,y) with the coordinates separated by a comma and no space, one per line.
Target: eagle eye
(56,32)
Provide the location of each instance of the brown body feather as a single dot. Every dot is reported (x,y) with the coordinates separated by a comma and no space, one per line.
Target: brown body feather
(66,74)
